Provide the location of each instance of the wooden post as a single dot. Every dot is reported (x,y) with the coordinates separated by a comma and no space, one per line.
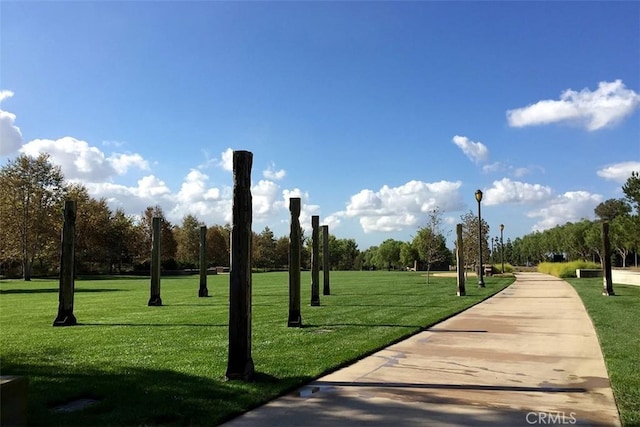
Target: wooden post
(240,364)
(154,299)
(67,267)
(295,240)
(203,291)
(607,288)
(460,261)
(326,289)
(315,264)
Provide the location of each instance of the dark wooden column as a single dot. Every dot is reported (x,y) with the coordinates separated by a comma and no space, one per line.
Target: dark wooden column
(315,262)
(154,299)
(460,261)
(240,364)
(203,291)
(607,286)
(295,241)
(66,291)
(326,288)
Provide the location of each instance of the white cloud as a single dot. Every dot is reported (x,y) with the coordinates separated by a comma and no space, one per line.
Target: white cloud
(81,161)
(307,209)
(475,151)
(123,162)
(5,94)
(571,206)
(210,204)
(264,194)
(493,167)
(619,172)
(273,174)
(10,134)
(77,159)
(508,191)
(150,191)
(396,208)
(227,160)
(606,106)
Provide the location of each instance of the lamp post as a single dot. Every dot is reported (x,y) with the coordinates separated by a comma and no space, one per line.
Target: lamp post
(502,247)
(480,279)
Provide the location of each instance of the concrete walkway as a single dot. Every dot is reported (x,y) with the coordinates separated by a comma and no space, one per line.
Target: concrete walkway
(527,356)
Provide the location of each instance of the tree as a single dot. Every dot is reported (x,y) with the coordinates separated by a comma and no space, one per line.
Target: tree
(218,245)
(631,189)
(625,236)
(470,237)
(389,253)
(408,255)
(264,249)
(120,240)
(31,196)
(168,245)
(430,242)
(187,238)
(92,230)
(281,255)
(612,208)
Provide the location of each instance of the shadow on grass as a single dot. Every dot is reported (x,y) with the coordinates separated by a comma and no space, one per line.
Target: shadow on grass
(136,396)
(124,277)
(154,324)
(56,290)
(361,325)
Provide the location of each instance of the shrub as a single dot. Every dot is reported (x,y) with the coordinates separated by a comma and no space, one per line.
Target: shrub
(565,269)
(497,268)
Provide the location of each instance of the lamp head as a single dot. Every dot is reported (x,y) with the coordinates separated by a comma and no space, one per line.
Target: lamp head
(479,195)
(501,227)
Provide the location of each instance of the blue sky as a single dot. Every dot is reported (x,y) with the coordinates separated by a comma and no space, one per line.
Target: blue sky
(374,113)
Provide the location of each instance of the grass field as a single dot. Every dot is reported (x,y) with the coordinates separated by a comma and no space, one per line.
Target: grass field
(617,322)
(166,365)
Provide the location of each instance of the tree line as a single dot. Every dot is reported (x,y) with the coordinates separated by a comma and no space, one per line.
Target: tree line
(33,191)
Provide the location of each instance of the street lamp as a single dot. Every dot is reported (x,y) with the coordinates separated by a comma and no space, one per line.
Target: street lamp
(479,199)
(502,247)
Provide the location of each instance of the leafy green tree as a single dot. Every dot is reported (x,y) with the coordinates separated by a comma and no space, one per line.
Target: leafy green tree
(168,244)
(431,243)
(625,236)
(187,238)
(631,189)
(593,239)
(92,230)
(389,253)
(470,238)
(31,195)
(368,258)
(120,240)
(264,249)
(612,208)
(408,255)
(281,255)
(218,245)
(348,250)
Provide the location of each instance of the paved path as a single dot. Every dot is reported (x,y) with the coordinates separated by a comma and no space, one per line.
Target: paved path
(527,356)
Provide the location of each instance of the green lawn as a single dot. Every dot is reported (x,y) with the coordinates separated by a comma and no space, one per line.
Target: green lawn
(166,365)
(617,322)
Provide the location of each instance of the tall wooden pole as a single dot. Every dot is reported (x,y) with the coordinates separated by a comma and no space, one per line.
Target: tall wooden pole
(154,299)
(295,317)
(607,288)
(326,288)
(240,364)
(65,315)
(315,262)
(460,261)
(203,291)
